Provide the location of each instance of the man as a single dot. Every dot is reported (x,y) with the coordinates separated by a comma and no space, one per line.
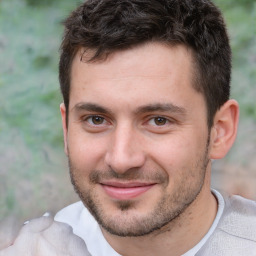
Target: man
(146,108)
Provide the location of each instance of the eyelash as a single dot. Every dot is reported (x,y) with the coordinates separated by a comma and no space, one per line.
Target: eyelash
(87,118)
(163,119)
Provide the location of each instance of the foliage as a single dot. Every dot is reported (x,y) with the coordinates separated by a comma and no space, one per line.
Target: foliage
(30,125)
(241,16)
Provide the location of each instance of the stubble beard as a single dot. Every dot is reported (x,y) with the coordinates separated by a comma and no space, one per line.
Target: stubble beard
(167,210)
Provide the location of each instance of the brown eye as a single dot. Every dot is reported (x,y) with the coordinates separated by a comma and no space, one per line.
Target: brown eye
(96,120)
(160,121)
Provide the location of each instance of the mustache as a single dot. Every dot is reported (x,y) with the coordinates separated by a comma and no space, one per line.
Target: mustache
(97,176)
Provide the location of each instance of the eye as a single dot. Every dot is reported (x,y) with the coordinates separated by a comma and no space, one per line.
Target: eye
(96,120)
(158,121)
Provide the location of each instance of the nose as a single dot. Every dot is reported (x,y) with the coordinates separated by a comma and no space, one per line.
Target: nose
(125,151)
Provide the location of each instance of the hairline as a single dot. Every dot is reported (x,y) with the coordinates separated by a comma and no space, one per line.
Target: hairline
(196,70)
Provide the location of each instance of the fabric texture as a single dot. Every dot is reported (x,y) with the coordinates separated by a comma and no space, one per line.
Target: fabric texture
(85,226)
(234,234)
(45,237)
(221,204)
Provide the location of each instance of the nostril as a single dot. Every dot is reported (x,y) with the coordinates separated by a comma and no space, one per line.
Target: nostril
(121,163)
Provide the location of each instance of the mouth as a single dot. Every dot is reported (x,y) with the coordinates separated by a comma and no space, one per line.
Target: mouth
(126,191)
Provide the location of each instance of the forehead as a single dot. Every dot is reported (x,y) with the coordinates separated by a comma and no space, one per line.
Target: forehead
(153,58)
(150,72)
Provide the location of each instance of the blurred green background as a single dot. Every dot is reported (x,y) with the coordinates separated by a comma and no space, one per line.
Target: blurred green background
(33,169)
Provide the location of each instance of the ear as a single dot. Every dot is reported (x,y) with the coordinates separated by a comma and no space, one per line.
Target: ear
(224,130)
(64,126)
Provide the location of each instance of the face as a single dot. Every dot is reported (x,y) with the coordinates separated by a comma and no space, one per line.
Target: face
(137,137)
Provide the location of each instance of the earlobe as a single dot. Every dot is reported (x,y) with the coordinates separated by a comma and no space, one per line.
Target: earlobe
(224,130)
(64,126)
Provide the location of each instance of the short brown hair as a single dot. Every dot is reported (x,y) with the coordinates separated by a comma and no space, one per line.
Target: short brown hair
(107,26)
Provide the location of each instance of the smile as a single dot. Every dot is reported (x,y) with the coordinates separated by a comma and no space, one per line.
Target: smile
(125,191)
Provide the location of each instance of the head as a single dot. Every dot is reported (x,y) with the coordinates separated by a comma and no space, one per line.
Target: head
(145,86)
(109,26)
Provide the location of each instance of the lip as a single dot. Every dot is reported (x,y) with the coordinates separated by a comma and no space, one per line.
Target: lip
(125,191)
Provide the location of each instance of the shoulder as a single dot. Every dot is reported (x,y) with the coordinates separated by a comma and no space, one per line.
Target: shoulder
(239,217)
(240,204)
(235,233)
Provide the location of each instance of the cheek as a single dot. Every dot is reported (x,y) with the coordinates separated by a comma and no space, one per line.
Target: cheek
(86,152)
(175,154)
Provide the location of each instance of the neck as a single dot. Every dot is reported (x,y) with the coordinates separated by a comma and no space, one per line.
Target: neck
(190,226)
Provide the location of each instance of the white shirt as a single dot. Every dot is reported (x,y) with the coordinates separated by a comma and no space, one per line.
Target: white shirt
(85,226)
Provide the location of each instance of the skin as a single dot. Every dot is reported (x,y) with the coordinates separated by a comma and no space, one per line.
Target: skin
(135,120)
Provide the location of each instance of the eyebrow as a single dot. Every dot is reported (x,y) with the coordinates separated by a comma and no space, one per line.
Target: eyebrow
(166,107)
(161,107)
(90,107)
